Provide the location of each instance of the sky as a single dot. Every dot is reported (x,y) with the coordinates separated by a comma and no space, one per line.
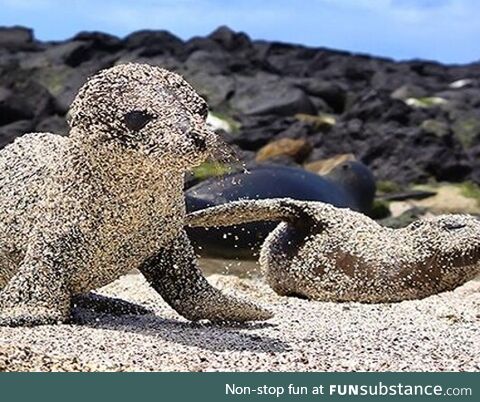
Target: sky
(443,30)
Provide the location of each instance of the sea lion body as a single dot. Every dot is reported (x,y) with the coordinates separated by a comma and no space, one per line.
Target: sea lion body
(321,252)
(349,185)
(48,201)
(78,212)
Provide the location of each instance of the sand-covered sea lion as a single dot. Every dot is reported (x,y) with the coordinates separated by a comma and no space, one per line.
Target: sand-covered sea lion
(78,212)
(350,184)
(326,253)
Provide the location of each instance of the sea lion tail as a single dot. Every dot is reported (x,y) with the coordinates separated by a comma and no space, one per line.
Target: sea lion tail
(244,211)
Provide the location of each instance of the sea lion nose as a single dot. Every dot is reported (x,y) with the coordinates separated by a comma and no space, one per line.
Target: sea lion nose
(198,141)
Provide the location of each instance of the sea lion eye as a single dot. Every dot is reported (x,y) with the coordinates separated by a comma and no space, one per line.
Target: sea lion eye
(137,119)
(453,226)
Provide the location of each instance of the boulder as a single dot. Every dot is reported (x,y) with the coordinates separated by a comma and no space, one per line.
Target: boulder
(334,94)
(437,127)
(9,132)
(296,149)
(258,97)
(324,166)
(408,91)
(16,38)
(216,89)
(152,43)
(209,63)
(53,124)
(24,100)
(378,106)
(230,40)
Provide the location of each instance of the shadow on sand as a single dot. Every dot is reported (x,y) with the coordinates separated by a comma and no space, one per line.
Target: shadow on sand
(115,314)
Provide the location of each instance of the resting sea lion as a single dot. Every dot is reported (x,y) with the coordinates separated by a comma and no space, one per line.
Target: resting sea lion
(351,184)
(326,253)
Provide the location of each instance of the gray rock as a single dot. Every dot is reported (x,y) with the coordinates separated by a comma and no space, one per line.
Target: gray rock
(53,124)
(9,132)
(16,38)
(215,89)
(272,96)
(408,91)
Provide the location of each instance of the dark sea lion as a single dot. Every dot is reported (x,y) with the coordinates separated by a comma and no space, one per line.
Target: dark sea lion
(321,252)
(350,184)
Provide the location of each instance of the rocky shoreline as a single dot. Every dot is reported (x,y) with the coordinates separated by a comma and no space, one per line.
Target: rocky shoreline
(410,121)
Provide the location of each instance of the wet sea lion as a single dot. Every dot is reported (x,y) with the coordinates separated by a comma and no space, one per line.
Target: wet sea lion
(350,184)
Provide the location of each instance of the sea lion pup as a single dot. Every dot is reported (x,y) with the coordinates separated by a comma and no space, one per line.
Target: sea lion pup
(78,212)
(334,254)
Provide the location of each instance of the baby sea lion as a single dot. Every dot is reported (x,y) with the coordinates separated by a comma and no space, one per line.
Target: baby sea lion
(78,212)
(350,184)
(326,253)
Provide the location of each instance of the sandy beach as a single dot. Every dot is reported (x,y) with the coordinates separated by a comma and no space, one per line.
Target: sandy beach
(141,332)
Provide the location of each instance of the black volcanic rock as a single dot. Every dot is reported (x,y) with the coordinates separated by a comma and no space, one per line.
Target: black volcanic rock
(9,132)
(230,40)
(16,38)
(23,99)
(152,43)
(265,95)
(410,121)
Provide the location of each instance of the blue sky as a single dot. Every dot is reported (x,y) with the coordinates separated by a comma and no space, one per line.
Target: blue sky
(443,30)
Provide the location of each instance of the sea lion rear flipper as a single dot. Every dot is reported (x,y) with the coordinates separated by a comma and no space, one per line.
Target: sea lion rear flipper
(174,274)
(238,212)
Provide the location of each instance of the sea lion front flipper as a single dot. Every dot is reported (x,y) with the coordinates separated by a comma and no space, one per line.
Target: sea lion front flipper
(238,212)
(174,274)
(37,294)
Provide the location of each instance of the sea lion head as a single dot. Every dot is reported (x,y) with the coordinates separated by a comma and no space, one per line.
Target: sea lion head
(449,239)
(357,179)
(144,109)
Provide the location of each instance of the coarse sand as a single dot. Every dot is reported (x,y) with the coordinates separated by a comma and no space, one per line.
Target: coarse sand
(439,333)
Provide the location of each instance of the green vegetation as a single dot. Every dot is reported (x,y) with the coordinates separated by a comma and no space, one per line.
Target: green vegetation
(436,127)
(466,130)
(322,121)
(380,210)
(210,169)
(387,187)
(426,102)
(470,190)
(54,79)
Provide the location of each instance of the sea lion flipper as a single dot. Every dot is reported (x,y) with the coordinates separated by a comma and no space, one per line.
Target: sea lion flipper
(238,212)
(37,294)
(174,274)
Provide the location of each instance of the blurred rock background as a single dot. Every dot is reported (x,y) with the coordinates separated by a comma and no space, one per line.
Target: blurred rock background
(413,123)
